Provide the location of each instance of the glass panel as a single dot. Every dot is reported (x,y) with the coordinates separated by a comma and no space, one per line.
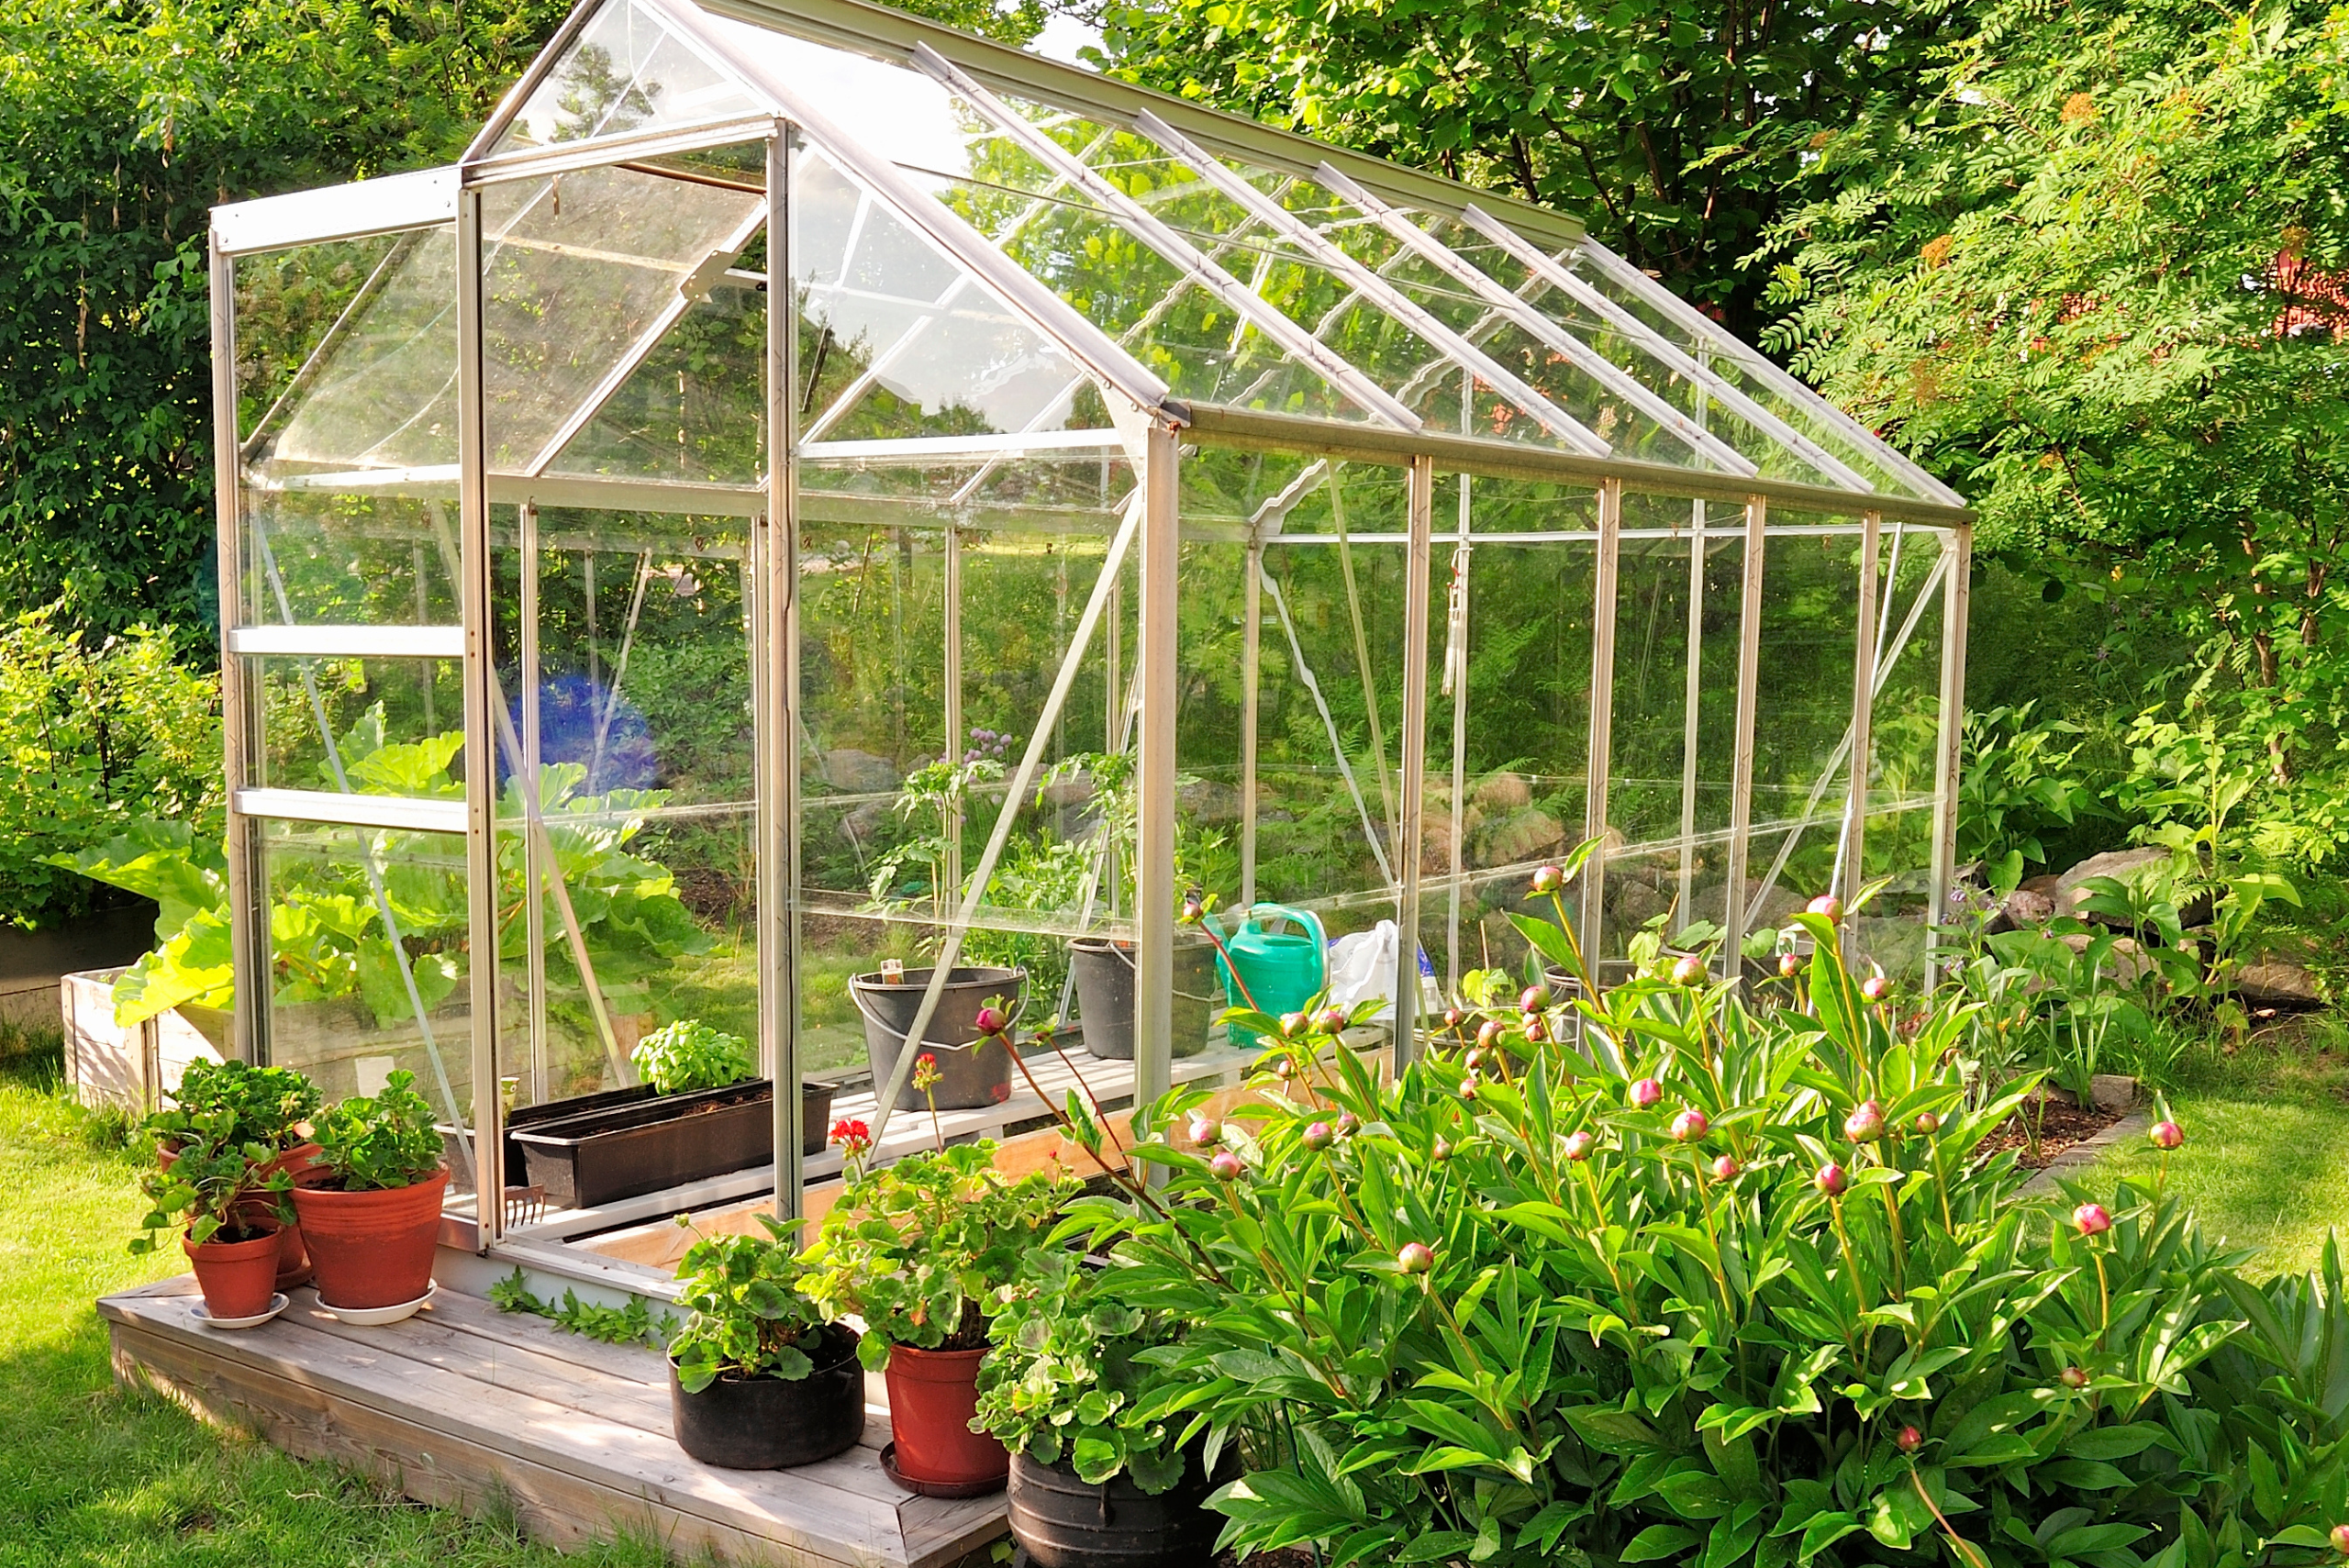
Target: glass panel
(1802,728)
(577,270)
(693,409)
(318,557)
(367,960)
(396,725)
(624,73)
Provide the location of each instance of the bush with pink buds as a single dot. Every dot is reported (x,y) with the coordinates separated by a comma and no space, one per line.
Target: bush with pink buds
(1330,1020)
(1689,972)
(1548,879)
(1225,1166)
(1725,1168)
(1875,988)
(1578,1145)
(1318,1135)
(1789,965)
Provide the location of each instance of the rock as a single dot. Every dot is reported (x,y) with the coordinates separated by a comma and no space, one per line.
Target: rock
(2127,964)
(1071,789)
(859,826)
(1632,903)
(2269,981)
(1435,846)
(852,772)
(1208,801)
(1780,905)
(1894,944)
(2112,1091)
(2136,868)
(2024,909)
(1522,836)
(2041,885)
(1502,792)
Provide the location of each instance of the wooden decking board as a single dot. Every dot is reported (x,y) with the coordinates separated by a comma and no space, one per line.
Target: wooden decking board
(480,1410)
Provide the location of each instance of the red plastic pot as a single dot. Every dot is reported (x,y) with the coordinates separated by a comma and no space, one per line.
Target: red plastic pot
(373,1249)
(238,1277)
(932,1396)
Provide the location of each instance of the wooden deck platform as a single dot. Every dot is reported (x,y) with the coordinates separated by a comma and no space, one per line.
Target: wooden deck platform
(483,1411)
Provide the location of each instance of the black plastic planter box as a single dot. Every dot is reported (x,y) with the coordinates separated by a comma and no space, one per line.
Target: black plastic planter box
(597,1149)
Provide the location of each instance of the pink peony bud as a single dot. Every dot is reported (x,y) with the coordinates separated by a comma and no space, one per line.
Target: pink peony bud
(1826,904)
(1452,1017)
(1910,1440)
(1578,1145)
(2168,1135)
(1330,1019)
(1284,1067)
(1687,972)
(1789,966)
(1865,1125)
(1193,909)
(1535,1033)
(1548,879)
(1415,1257)
(2340,1540)
(1927,1123)
(1490,1034)
(1348,1123)
(1726,1168)
(1292,1023)
(990,1020)
(1226,1166)
(1206,1132)
(1690,1125)
(1468,1090)
(1318,1136)
(1829,1179)
(2075,1377)
(1533,998)
(1443,1150)
(1875,988)
(1647,1093)
(2092,1219)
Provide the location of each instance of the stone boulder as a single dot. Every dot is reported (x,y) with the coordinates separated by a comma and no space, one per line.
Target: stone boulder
(2024,909)
(1632,902)
(1209,801)
(1523,835)
(2272,980)
(2130,866)
(2127,964)
(852,772)
(1502,792)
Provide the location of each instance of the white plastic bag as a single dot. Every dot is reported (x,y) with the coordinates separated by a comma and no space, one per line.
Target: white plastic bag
(1363,966)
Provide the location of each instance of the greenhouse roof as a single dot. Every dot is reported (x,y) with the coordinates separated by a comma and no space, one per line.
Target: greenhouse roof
(1003,247)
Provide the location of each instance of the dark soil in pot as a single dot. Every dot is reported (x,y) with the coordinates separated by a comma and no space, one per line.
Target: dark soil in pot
(773,1423)
(1061,1522)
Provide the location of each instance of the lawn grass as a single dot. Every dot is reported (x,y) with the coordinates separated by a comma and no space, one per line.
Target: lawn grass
(2266,1163)
(93,1475)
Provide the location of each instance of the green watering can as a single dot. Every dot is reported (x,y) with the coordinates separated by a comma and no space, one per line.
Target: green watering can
(1283,970)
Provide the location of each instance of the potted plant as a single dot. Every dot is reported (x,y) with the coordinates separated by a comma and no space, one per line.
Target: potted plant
(915,1248)
(373,1224)
(700,1112)
(1106,1467)
(267,1106)
(227,1199)
(759,1379)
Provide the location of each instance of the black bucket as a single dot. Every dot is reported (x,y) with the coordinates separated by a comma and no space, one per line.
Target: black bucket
(1105,996)
(1062,1522)
(973,1073)
(773,1423)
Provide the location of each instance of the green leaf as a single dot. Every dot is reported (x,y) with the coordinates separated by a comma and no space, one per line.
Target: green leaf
(1657,1542)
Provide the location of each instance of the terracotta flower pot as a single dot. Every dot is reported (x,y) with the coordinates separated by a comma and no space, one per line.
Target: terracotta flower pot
(238,1277)
(932,1396)
(373,1249)
(293,1256)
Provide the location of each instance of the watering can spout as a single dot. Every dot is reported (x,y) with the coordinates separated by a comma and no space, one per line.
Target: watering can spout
(1276,959)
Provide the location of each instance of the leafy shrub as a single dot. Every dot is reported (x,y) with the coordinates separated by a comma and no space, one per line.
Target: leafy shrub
(690,1054)
(380,1141)
(209,1189)
(751,1314)
(98,734)
(268,1105)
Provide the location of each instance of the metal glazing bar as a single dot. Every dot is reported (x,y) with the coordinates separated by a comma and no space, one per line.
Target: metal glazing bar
(1059,320)
(1379,291)
(1854,844)
(1455,674)
(347,641)
(476,585)
(1023,779)
(1336,472)
(1665,303)
(774,702)
(1665,350)
(534,860)
(1161,237)
(1252,670)
(691,287)
(1748,686)
(248,928)
(509,108)
(618,146)
(1692,699)
(1950,745)
(1549,332)
(1160,675)
(1417,586)
(951,680)
(1602,712)
(335,808)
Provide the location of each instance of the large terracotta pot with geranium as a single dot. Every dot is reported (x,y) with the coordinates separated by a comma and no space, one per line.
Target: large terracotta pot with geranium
(915,1248)
(373,1221)
(271,1106)
(226,1200)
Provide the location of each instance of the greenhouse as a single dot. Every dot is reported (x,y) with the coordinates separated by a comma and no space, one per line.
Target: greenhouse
(1131,503)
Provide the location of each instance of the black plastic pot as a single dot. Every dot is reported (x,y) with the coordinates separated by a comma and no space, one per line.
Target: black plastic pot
(772,1423)
(1062,1522)
(973,1073)
(650,1141)
(1105,996)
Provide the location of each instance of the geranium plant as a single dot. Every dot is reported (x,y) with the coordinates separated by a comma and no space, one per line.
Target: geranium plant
(916,1247)
(268,1105)
(751,1314)
(380,1141)
(213,1189)
(690,1054)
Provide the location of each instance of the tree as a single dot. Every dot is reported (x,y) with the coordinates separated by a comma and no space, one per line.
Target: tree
(1670,129)
(2097,280)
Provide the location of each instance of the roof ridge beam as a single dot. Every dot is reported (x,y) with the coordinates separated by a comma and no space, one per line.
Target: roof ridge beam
(1159,236)
(1531,256)
(1552,334)
(1374,288)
